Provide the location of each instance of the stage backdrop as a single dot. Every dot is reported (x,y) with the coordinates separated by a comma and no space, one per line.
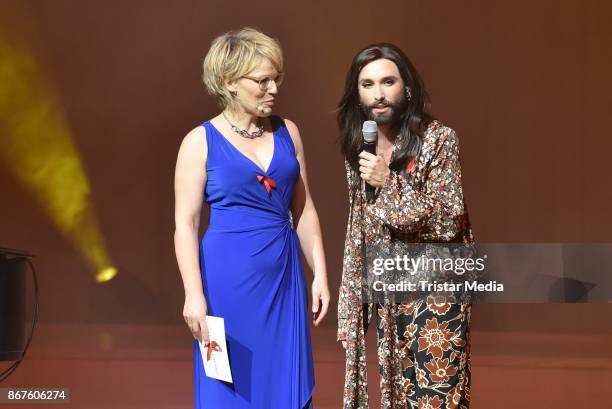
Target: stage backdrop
(96,96)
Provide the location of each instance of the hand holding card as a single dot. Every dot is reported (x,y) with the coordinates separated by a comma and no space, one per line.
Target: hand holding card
(214,355)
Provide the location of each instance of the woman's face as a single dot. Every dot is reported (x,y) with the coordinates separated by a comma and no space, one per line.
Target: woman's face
(250,91)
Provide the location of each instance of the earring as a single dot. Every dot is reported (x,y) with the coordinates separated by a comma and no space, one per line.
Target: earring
(408,93)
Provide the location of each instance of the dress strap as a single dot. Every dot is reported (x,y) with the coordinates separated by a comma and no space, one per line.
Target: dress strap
(280,128)
(210,141)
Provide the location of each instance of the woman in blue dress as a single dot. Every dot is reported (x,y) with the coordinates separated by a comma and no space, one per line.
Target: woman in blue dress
(249,167)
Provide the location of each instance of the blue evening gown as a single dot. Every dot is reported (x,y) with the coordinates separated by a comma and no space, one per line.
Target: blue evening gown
(253,278)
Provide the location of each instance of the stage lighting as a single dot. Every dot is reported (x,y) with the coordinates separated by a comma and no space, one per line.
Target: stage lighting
(38,149)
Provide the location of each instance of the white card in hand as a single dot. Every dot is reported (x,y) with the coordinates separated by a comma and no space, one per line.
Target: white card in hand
(214,356)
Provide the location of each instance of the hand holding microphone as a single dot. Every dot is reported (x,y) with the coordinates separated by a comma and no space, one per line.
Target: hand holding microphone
(372,168)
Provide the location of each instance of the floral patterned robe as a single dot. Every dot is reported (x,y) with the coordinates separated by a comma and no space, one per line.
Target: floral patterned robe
(424,202)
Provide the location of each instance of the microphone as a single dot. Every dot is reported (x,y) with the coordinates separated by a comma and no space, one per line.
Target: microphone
(370,136)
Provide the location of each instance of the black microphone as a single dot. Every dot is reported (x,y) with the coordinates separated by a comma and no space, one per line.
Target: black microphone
(370,136)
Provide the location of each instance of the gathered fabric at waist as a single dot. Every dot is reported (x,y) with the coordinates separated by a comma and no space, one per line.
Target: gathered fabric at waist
(246,219)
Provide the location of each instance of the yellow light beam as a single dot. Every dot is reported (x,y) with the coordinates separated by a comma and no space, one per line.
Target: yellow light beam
(37,147)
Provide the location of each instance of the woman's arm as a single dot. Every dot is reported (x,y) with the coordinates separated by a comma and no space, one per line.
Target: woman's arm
(308,230)
(189,181)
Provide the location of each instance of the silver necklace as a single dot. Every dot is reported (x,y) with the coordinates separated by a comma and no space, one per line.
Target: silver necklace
(243,132)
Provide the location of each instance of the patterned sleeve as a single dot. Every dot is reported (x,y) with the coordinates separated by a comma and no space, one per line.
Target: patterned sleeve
(343,297)
(346,295)
(438,212)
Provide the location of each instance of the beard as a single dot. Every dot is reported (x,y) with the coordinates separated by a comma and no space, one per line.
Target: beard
(391,117)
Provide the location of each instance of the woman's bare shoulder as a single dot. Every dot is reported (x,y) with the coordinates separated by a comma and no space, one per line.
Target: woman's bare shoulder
(294,133)
(194,149)
(195,136)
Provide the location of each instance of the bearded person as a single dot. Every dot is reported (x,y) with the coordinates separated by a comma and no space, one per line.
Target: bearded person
(423,345)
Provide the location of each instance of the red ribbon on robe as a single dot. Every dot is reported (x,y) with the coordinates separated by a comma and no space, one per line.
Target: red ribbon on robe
(411,165)
(213,346)
(268,183)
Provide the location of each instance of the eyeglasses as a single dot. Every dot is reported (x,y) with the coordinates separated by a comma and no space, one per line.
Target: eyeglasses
(266,83)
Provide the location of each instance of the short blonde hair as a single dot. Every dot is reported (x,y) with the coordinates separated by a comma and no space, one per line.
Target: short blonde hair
(234,54)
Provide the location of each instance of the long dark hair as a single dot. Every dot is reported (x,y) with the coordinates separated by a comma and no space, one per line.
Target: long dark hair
(413,121)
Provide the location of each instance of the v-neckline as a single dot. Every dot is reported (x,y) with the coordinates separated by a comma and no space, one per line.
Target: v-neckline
(246,156)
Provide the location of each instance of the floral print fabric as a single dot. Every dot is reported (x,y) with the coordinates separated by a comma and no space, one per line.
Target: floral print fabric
(432,365)
(421,346)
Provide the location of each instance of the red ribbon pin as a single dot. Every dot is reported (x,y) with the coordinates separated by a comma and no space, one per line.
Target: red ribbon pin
(213,346)
(411,166)
(268,183)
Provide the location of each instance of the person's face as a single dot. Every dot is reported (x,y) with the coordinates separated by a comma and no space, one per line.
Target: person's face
(248,91)
(381,91)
